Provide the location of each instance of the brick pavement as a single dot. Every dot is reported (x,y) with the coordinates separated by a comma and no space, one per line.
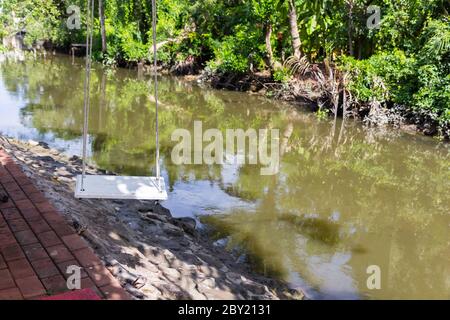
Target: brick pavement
(37,245)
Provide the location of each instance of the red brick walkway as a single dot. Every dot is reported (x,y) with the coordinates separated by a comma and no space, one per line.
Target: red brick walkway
(37,245)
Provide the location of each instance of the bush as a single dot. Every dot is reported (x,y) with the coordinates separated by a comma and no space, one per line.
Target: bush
(235,53)
(195,45)
(381,77)
(130,44)
(282,75)
(420,82)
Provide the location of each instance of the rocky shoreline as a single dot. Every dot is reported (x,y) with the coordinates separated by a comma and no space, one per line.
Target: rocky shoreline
(154,255)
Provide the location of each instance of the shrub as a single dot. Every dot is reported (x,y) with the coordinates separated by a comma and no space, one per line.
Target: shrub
(419,81)
(382,76)
(282,75)
(130,44)
(236,52)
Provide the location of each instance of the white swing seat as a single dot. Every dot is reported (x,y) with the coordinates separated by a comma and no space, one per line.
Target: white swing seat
(121,188)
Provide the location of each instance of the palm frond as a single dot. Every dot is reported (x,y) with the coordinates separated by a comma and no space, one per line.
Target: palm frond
(297,66)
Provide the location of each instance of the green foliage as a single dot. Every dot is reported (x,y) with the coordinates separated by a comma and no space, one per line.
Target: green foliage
(235,53)
(419,80)
(130,43)
(322,113)
(282,75)
(403,20)
(379,77)
(403,62)
(39,18)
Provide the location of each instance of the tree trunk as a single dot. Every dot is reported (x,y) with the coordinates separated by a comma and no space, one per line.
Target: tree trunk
(101,14)
(269,50)
(350,28)
(296,43)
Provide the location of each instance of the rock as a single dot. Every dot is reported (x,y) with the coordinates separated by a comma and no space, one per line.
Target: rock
(169,255)
(172,245)
(430,130)
(221,242)
(74,158)
(209,271)
(234,278)
(188,285)
(153,218)
(65,179)
(171,273)
(43,145)
(33,143)
(134,292)
(208,282)
(124,275)
(241,259)
(295,294)
(216,294)
(257,289)
(189,225)
(133,224)
(63,172)
(172,230)
(152,292)
(155,207)
(45,159)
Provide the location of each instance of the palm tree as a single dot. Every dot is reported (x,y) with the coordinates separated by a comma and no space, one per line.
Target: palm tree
(293,25)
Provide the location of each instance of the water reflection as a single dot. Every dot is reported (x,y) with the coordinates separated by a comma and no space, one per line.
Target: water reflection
(346,197)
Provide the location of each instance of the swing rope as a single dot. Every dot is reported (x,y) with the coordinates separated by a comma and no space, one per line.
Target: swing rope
(155,65)
(87,82)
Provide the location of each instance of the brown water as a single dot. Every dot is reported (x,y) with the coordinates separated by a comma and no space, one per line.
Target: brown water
(346,197)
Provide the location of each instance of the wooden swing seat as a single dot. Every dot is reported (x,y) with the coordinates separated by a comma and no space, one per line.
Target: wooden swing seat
(121,187)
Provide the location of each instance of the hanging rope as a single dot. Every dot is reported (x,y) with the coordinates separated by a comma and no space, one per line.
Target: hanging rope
(87,82)
(155,65)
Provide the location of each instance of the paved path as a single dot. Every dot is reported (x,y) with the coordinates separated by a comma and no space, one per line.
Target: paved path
(37,245)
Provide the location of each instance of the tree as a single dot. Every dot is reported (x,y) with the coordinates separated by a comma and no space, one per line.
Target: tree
(350,28)
(101,14)
(293,25)
(266,13)
(38,18)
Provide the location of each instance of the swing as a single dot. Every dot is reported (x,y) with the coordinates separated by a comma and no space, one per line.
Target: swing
(117,187)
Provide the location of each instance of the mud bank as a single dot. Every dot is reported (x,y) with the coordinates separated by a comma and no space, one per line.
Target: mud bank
(154,255)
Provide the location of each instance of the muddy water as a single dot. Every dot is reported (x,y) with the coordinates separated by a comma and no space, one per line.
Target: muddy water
(346,197)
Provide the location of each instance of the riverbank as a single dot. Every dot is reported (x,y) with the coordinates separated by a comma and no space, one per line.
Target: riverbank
(154,255)
(325,96)
(315,91)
